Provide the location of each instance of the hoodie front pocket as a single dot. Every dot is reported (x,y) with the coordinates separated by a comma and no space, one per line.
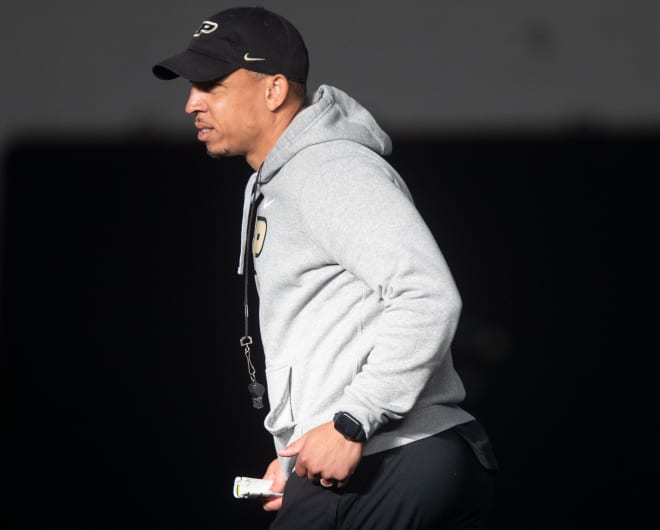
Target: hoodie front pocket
(280,417)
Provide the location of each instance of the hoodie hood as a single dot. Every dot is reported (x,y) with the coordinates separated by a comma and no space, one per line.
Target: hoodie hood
(330,115)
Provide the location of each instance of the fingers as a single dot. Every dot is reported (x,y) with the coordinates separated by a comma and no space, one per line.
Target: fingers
(304,472)
(291,449)
(299,470)
(272,505)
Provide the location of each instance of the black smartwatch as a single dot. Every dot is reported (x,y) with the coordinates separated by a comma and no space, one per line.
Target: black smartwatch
(349,427)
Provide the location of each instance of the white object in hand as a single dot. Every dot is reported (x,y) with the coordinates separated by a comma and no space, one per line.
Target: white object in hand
(253,488)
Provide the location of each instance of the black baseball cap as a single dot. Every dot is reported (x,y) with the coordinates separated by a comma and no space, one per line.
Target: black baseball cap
(241,37)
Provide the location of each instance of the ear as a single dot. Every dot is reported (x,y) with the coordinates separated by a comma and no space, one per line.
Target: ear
(277,90)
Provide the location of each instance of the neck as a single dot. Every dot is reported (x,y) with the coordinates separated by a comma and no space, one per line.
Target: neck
(276,127)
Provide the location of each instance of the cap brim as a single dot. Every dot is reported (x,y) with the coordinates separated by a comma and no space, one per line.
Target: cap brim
(193,66)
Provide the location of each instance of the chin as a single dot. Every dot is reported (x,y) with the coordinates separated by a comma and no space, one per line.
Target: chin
(217,153)
(213,155)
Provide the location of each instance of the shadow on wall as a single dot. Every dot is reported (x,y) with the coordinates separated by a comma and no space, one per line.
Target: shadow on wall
(122,312)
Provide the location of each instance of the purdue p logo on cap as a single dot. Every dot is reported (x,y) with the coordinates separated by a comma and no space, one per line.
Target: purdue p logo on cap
(208,26)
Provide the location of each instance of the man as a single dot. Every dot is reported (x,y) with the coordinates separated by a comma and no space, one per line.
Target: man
(357,306)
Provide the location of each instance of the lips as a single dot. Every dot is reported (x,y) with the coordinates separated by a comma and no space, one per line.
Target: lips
(202,125)
(203,130)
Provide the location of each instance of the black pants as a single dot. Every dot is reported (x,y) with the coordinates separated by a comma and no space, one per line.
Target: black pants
(445,481)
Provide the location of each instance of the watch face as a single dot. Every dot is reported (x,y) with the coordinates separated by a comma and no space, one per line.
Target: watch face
(349,427)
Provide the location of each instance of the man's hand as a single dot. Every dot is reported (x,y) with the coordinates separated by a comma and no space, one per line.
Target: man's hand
(274,473)
(325,455)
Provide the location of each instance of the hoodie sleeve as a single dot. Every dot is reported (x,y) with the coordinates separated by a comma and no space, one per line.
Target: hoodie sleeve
(360,215)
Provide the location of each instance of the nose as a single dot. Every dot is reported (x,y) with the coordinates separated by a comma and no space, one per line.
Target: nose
(195,101)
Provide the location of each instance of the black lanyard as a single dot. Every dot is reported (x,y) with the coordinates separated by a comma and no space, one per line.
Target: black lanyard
(255,388)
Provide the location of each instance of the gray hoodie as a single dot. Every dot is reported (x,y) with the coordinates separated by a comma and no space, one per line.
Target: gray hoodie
(357,307)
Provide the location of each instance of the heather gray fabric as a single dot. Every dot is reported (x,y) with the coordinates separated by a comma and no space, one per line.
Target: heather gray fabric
(357,305)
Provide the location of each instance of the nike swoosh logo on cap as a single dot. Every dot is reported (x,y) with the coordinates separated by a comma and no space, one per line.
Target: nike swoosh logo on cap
(247,57)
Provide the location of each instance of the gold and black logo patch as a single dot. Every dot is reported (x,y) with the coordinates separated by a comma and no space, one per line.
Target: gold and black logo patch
(259,236)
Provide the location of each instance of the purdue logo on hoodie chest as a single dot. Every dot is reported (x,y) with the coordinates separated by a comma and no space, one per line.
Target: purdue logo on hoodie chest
(259,238)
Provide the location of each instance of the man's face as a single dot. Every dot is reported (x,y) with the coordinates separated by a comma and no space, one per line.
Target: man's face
(227,113)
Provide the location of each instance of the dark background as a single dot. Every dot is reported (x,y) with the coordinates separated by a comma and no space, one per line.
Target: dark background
(121,313)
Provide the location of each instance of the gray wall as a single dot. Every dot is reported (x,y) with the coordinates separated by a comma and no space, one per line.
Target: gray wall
(84,66)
